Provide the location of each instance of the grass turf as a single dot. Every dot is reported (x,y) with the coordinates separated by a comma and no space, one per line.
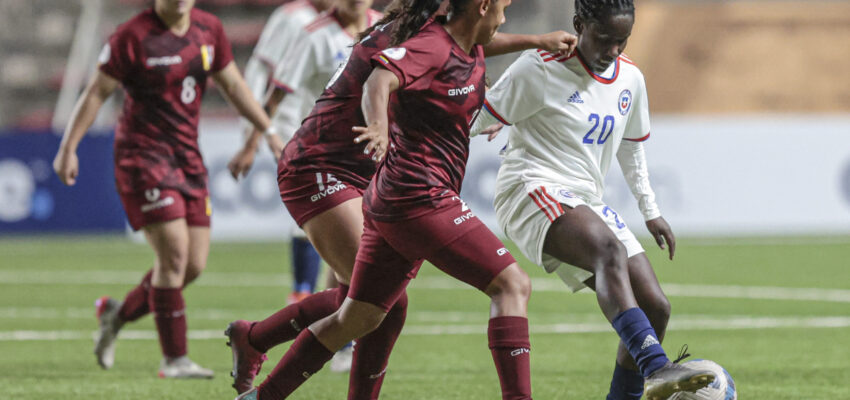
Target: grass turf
(48,284)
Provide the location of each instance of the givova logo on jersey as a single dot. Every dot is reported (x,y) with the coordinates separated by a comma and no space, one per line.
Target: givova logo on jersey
(328,185)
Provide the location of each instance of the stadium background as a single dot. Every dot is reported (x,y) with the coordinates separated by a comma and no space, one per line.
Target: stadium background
(749,156)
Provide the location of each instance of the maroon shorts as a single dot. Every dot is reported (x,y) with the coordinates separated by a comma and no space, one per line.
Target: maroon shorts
(161,205)
(452,238)
(308,194)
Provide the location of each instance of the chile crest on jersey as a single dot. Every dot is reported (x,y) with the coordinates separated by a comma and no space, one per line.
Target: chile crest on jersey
(624,101)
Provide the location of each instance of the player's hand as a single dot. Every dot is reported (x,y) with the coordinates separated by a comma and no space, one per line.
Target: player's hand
(376,138)
(662,233)
(276,145)
(559,42)
(492,131)
(67,166)
(242,162)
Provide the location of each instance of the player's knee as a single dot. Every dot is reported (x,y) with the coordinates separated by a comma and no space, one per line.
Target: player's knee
(610,254)
(512,282)
(359,322)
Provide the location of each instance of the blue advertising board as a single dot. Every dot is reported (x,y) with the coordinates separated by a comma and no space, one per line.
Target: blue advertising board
(33,200)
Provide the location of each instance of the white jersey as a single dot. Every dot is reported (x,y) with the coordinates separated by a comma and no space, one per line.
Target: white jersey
(566,124)
(281,32)
(321,48)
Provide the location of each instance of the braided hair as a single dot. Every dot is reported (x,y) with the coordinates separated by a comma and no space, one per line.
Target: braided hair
(410,16)
(600,10)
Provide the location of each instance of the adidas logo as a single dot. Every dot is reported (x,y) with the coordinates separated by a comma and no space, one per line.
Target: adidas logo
(575,98)
(649,341)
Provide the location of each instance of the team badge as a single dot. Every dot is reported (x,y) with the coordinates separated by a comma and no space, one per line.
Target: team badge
(207,56)
(624,102)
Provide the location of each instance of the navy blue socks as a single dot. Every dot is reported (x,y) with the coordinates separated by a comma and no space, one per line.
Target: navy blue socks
(305,264)
(625,385)
(641,340)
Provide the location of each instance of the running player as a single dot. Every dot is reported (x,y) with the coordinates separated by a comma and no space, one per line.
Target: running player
(412,209)
(162,57)
(570,117)
(329,207)
(280,34)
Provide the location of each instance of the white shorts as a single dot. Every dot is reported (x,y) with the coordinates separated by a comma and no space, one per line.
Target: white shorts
(526,211)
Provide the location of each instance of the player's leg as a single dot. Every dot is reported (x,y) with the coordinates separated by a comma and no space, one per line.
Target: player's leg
(581,238)
(171,243)
(481,260)
(337,232)
(379,279)
(306,265)
(337,235)
(627,381)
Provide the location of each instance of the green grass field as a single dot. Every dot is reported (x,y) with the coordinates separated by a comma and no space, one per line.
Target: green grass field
(776,314)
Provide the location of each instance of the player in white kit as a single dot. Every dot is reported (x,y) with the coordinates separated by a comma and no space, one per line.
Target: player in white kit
(568,117)
(318,52)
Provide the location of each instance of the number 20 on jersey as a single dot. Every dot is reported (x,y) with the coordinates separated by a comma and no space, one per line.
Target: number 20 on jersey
(604,133)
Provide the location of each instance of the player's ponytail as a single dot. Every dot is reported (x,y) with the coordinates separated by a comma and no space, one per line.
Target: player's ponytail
(408,15)
(599,10)
(413,15)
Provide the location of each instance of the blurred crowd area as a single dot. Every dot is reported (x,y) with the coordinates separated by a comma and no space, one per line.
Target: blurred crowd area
(699,57)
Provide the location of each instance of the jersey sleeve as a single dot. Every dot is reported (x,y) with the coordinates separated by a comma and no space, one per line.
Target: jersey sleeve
(223,53)
(298,64)
(411,61)
(520,92)
(118,56)
(637,127)
(267,48)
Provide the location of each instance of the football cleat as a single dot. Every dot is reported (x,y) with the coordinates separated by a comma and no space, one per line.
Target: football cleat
(674,378)
(107,317)
(247,361)
(183,368)
(342,359)
(251,394)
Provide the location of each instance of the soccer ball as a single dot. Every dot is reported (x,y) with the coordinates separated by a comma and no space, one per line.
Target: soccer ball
(723,387)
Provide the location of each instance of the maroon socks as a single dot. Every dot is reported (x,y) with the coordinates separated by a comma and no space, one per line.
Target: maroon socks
(136,304)
(170,316)
(287,323)
(304,358)
(508,338)
(372,352)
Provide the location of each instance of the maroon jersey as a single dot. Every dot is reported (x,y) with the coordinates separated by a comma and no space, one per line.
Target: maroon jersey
(325,141)
(441,90)
(164,77)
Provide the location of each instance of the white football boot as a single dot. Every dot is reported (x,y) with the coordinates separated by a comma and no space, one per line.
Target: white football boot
(183,368)
(342,359)
(110,324)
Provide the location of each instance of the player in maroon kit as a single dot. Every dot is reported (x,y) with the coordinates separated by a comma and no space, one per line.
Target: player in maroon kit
(162,57)
(322,177)
(412,209)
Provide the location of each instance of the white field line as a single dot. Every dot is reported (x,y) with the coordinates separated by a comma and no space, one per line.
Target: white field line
(265,280)
(701,324)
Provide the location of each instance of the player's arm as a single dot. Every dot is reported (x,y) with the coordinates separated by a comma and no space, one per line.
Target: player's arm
(517,95)
(632,159)
(230,81)
(376,98)
(559,42)
(66,164)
